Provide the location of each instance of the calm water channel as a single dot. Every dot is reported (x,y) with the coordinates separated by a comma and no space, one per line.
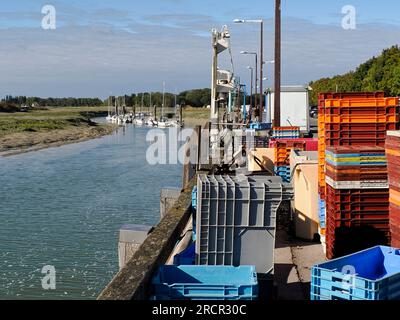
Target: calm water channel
(64,206)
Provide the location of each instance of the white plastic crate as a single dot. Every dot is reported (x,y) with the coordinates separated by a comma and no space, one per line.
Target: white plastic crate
(236,219)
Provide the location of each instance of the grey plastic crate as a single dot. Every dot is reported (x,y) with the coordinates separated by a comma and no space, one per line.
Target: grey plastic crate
(236,219)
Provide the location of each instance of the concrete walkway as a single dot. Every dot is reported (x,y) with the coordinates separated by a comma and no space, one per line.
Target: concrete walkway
(293,261)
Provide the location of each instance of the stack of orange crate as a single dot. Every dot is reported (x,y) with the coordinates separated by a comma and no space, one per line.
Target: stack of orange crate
(351,119)
(393,159)
(322,127)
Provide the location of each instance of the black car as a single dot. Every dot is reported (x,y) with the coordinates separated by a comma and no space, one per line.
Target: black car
(314,112)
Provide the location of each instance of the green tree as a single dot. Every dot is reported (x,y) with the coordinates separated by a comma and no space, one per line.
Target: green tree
(380,73)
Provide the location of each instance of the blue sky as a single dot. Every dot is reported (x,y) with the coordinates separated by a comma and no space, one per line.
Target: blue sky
(115,47)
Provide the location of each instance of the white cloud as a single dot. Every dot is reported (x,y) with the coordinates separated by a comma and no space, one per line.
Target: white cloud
(97,60)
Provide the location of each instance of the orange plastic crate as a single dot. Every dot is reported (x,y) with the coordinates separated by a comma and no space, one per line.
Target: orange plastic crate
(322,96)
(361,118)
(321,176)
(394,197)
(362,102)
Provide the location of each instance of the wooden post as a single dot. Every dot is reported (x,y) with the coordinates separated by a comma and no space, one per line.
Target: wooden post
(277,94)
(181,114)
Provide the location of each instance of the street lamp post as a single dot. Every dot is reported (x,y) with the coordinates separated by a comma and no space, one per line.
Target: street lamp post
(278,40)
(261,69)
(251,87)
(256,79)
(261,22)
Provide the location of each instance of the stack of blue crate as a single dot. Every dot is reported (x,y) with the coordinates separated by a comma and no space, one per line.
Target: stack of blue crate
(285,132)
(283,172)
(372,274)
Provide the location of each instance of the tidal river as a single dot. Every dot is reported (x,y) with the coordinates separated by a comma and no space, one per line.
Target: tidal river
(63,207)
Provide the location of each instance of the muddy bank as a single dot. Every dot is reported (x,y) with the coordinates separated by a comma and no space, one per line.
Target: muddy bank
(20,142)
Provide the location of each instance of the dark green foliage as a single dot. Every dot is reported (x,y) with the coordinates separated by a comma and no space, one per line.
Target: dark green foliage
(380,73)
(50,102)
(8,107)
(195,98)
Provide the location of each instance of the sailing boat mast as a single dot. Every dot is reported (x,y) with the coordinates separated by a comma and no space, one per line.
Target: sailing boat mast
(124,105)
(175,100)
(150,101)
(163,101)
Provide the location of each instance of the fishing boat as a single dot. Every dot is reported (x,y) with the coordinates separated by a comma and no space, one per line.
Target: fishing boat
(164,123)
(128,118)
(151,122)
(109,116)
(140,118)
(139,121)
(174,123)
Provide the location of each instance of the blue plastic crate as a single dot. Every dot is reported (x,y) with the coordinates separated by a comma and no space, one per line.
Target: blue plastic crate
(186,257)
(376,276)
(284,178)
(285,134)
(260,126)
(322,212)
(285,169)
(283,172)
(330,297)
(205,283)
(194,208)
(194,197)
(193,224)
(194,237)
(342,291)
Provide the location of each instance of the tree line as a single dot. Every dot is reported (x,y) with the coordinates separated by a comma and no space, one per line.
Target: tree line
(380,73)
(52,102)
(195,98)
